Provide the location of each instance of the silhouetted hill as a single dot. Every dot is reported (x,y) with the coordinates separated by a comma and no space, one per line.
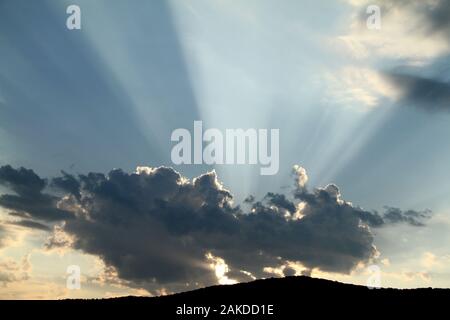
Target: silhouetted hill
(288,296)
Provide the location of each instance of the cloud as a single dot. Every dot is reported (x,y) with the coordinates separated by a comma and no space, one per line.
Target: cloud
(437,16)
(67,183)
(328,200)
(435,263)
(413,34)
(359,86)
(280,201)
(155,227)
(9,235)
(31,224)
(13,271)
(29,201)
(3,235)
(412,217)
(425,93)
(151,224)
(404,24)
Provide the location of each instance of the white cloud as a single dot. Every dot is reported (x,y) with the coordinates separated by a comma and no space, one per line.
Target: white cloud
(404,33)
(359,86)
(220,269)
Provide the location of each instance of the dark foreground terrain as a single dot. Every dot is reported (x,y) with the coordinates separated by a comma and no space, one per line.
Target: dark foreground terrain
(285,298)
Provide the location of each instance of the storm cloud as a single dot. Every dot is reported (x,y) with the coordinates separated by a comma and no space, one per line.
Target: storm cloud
(155,226)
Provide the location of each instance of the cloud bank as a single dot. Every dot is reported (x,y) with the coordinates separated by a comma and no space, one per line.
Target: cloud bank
(156,227)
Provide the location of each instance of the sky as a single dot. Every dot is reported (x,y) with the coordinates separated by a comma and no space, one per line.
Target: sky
(86,116)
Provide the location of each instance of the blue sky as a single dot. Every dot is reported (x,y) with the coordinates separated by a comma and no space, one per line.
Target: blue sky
(109,95)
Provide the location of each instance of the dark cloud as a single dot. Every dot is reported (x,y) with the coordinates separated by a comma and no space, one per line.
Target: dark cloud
(151,224)
(415,218)
(67,183)
(438,16)
(249,199)
(425,93)
(29,200)
(31,224)
(280,201)
(156,227)
(288,271)
(22,181)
